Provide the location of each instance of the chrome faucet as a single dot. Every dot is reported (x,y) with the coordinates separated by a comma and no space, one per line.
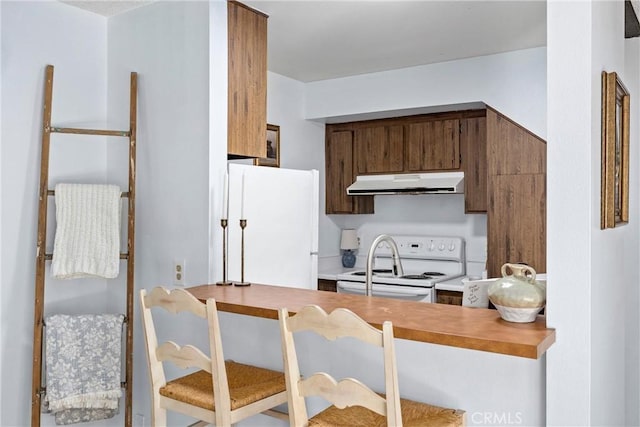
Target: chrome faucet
(397,265)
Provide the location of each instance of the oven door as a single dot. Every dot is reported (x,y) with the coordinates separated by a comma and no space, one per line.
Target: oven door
(408,293)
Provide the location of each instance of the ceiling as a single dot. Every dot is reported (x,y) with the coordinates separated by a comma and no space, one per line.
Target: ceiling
(107,8)
(317,40)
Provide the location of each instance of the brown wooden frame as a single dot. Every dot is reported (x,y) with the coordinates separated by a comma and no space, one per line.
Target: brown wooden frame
(614,203)
(37,388)
(273,137)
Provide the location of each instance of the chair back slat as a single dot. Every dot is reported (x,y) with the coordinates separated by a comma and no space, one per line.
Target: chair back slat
(338,324)
(184,357)
(175,301)
(343,393)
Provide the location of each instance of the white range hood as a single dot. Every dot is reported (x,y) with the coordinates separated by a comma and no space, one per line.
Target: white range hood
(418,183)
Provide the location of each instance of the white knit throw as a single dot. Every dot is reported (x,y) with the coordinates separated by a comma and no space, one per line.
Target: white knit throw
(87,242)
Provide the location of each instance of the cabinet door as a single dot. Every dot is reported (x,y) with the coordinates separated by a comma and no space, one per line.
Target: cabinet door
(379,149)
(433,145)
(327,285)
(247,96)
(516,222)
(340,175)
(473,148)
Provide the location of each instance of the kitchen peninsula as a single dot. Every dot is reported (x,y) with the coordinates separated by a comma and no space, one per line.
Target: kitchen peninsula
(475,329)
(450,356)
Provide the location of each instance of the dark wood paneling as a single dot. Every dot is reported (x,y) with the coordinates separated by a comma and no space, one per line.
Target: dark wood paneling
(379,149)
(516,222)
(473,147)
(247,96)
(433,145)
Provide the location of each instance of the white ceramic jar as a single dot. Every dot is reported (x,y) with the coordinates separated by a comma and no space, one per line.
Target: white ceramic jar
(518,296)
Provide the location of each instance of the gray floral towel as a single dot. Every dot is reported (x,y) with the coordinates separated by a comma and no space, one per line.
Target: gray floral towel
(83,355)
(73,416)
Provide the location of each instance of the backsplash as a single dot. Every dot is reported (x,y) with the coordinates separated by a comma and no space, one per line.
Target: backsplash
(437,215)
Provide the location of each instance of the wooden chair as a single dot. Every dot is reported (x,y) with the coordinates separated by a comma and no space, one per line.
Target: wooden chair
(353,403)
(220,393)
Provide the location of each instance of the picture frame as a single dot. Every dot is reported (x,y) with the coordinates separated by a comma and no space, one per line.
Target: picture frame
(273,148)
(614,203)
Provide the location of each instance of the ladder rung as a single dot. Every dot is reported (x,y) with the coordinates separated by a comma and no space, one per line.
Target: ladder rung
(53,193)
(123,133)
(123,255)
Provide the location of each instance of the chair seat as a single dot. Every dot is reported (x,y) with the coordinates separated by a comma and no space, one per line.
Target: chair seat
(414,414)
(247,384)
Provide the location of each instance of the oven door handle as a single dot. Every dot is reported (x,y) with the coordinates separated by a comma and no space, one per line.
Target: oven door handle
(397,291)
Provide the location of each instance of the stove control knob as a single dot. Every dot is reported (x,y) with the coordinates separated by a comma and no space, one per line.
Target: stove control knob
(432,246)
(452,246)
(441,247)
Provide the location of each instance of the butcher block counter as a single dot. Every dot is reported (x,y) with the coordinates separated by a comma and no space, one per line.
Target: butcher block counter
(470,328)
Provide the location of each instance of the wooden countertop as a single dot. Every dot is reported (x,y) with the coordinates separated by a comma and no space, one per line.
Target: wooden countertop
(472,328)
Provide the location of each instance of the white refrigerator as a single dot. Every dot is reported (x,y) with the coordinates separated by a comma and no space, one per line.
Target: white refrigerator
(281,235)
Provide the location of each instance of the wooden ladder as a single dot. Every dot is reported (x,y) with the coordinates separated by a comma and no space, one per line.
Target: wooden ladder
(38,389)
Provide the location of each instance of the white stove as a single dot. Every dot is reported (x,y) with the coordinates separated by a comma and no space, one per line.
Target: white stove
(426,260)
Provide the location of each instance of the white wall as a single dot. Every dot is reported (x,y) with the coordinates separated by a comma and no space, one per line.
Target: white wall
(1,226)
(594,272)
(513,83)
(301,140)
(631,250)
(35,34)
(167,43)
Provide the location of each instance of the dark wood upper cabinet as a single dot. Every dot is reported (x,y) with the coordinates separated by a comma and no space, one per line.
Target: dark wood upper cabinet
(516,222)
(379,149)
(433,145)
(247,86)
(517,194)
(340,174)
(512,149)
(504,166)
(473,150)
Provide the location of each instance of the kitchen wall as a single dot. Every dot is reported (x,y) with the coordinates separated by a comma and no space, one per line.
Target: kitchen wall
(301,140)
(513,83)
(437,215)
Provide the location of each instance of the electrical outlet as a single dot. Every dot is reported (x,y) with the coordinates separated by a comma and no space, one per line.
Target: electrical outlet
(178,272)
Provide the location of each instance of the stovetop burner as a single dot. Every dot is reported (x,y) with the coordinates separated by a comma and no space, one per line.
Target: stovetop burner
(416,276)
(374,271)
(425,275)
